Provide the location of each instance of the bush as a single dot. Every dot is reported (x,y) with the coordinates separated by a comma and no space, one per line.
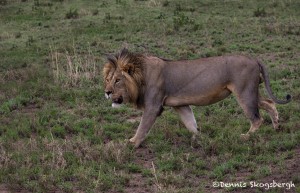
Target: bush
(72,14)
(260,12)
(3,2)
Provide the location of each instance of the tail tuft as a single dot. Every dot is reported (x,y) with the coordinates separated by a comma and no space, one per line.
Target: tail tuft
(288,97)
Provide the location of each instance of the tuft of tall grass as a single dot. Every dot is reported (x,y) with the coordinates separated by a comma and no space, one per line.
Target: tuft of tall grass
(71,69)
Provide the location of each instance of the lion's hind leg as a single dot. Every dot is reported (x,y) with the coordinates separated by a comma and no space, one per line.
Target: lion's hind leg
(269,106)
(248,100)
(252,113)
(187,117)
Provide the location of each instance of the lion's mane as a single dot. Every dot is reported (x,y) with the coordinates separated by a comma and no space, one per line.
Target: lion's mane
(131,66)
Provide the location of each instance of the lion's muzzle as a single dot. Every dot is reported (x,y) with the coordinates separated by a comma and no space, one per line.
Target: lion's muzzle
(117,102)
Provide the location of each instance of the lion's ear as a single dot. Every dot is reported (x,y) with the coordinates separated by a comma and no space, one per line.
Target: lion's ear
(128,68)
(112,60)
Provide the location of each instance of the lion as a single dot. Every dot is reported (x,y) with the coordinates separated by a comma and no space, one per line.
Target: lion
(150,83)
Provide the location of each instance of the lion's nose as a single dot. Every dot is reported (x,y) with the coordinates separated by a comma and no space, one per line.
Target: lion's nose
(108,94)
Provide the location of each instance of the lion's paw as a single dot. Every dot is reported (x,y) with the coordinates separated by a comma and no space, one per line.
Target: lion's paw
(132,140)
(245,137)
(136,142)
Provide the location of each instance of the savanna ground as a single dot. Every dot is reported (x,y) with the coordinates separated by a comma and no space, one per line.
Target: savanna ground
(59,134)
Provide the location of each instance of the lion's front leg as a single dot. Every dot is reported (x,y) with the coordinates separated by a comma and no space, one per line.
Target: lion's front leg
(146,123)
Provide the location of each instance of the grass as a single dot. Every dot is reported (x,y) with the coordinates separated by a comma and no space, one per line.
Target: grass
(58,133)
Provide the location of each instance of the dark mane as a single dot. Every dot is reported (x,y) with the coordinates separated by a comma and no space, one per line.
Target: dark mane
(131,65)
(124,56)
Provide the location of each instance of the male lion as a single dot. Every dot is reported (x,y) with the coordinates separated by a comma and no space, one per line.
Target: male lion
(150,83)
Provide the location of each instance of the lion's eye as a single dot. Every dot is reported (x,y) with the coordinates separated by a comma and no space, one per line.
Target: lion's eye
(118,80)
(107,80)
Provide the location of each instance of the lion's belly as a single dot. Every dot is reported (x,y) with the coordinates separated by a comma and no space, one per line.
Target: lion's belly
(196,99)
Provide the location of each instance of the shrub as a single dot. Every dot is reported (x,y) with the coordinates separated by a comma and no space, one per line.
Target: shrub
(72,14)
(3,2)
(260,12)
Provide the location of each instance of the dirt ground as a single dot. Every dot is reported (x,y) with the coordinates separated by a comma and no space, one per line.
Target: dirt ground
(145,158)
(291,172)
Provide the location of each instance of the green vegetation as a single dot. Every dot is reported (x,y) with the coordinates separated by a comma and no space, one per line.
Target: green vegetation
(58,133)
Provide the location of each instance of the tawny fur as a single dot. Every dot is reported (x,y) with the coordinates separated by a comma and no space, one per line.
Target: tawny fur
(151,83)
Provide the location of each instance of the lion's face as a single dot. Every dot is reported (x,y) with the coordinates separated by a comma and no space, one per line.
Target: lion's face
(115,88)
(123,78)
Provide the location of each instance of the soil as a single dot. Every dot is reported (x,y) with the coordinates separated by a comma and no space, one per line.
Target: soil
(139,183)
(145,158)
(290,173)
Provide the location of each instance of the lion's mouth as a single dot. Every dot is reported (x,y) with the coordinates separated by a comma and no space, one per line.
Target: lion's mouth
(117,102)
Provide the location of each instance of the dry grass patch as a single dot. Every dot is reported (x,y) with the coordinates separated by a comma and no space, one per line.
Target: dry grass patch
(71,69)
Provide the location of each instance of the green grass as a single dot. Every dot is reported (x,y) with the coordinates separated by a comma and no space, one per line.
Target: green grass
(59,133)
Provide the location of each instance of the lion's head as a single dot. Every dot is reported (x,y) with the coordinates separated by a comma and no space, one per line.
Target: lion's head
(123,78)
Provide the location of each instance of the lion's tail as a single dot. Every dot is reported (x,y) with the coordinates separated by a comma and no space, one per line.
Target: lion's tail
(265,74)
